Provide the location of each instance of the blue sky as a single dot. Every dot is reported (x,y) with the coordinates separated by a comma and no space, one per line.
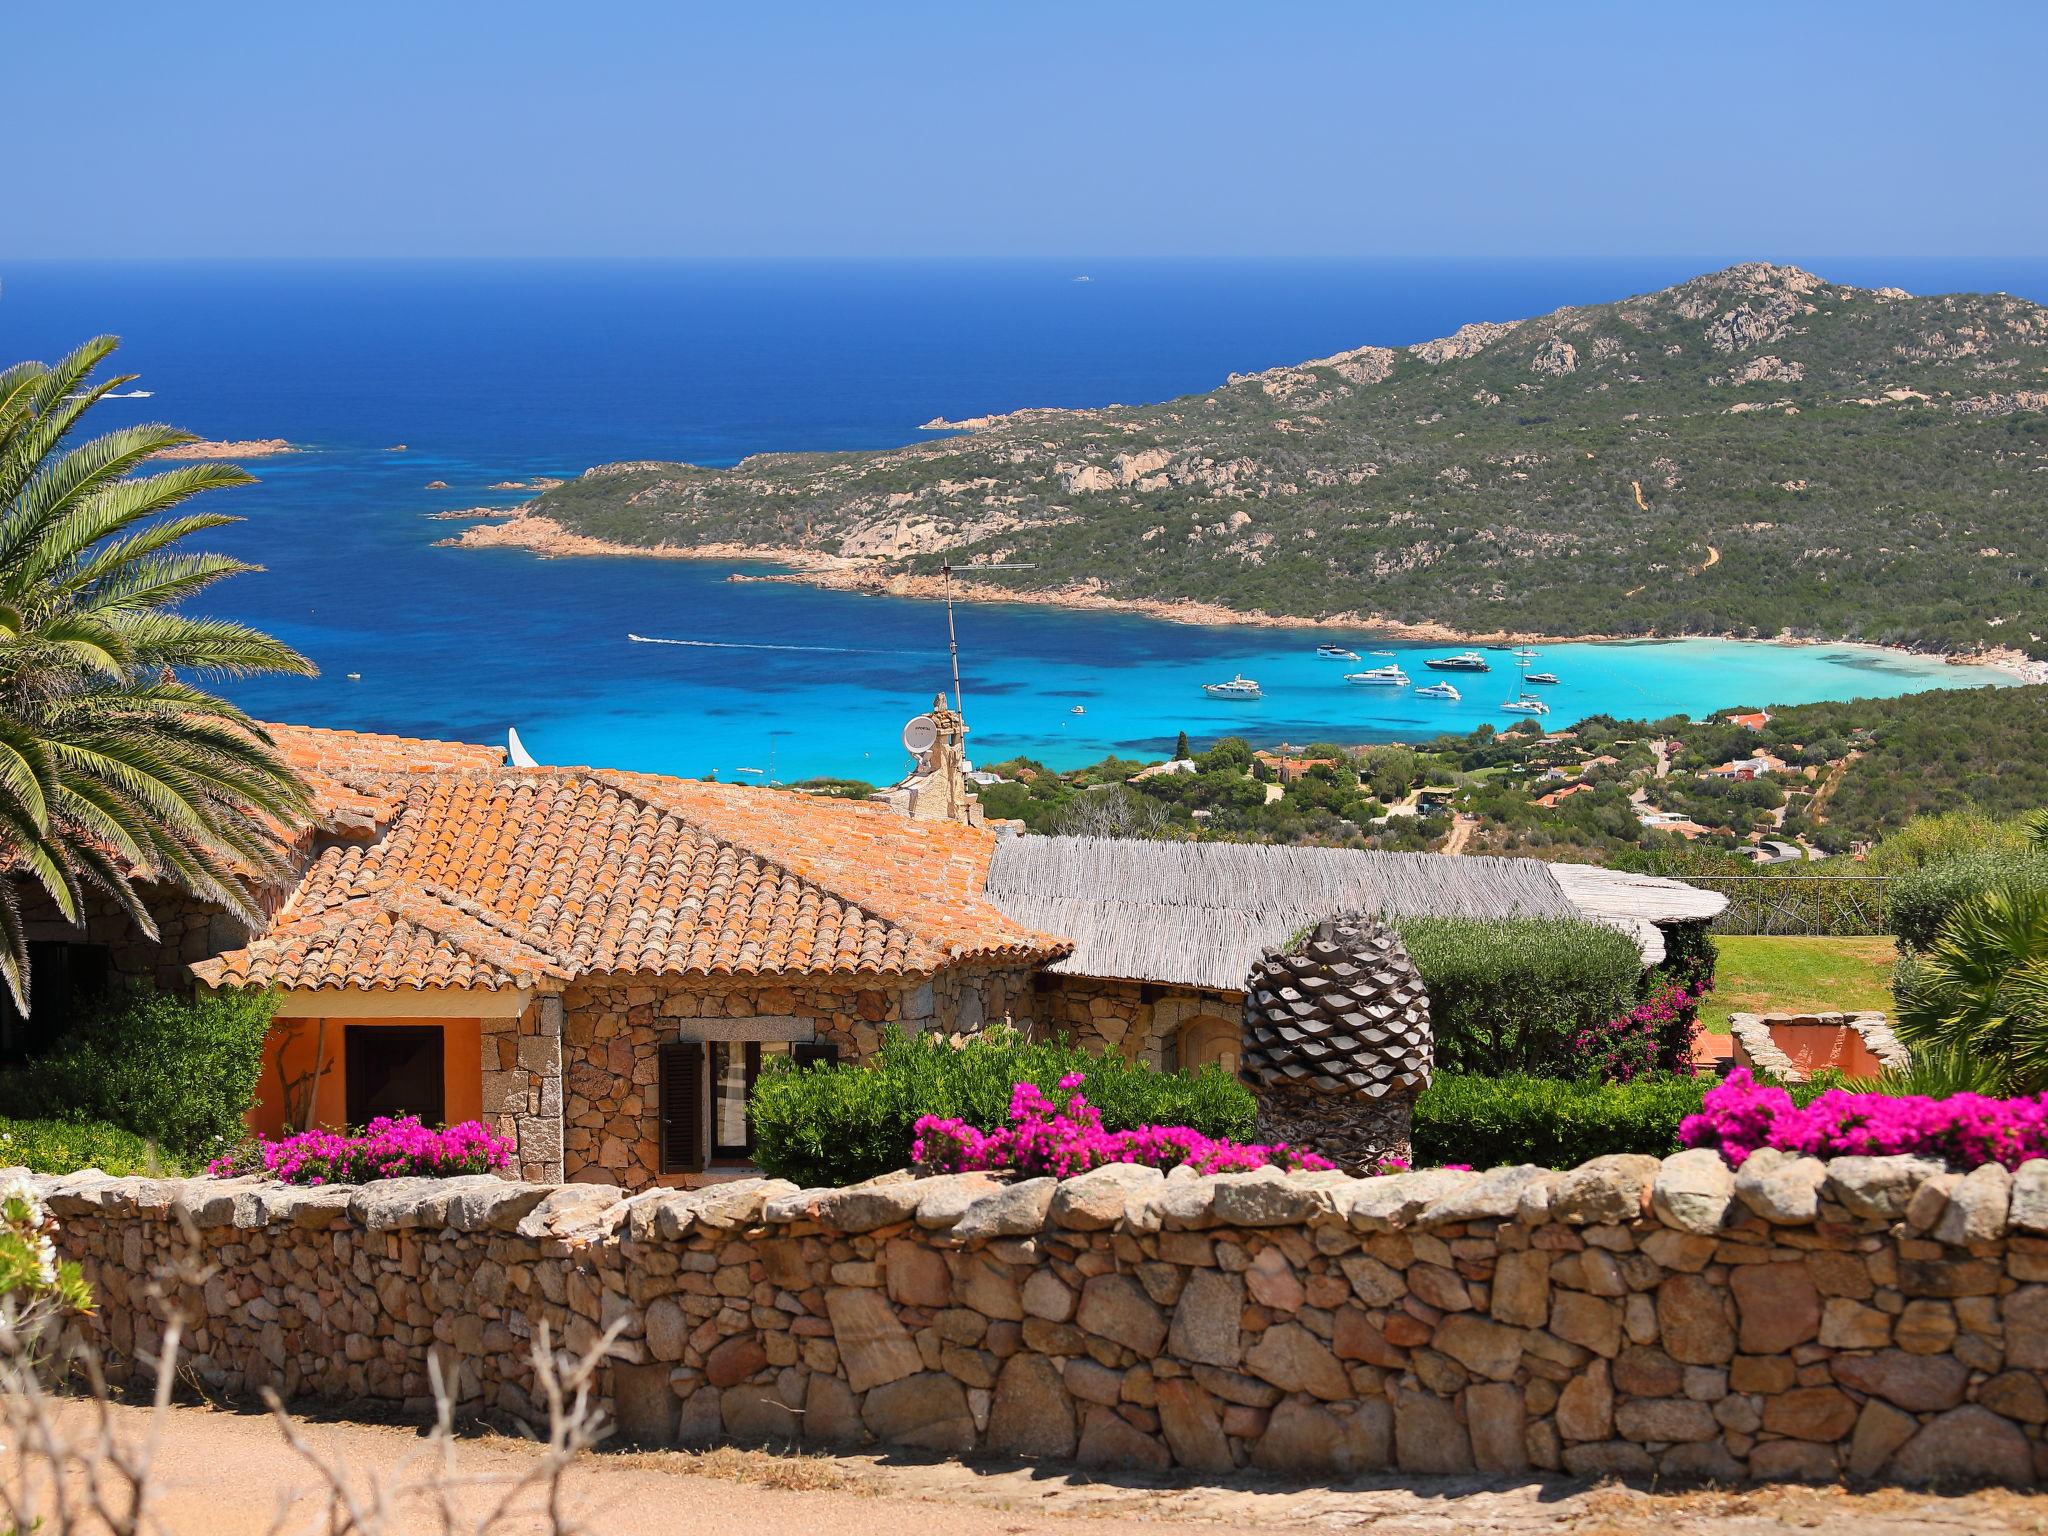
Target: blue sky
(878,128)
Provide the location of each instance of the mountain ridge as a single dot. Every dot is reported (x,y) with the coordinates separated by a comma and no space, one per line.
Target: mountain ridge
(1752,452)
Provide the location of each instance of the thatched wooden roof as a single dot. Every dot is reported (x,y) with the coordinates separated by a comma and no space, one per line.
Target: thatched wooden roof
(1198,914)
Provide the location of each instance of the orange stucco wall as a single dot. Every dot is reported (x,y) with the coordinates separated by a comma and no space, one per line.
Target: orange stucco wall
(289,1052)
(1813,1047)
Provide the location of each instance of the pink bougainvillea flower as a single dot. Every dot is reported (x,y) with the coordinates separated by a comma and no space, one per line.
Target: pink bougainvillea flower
(1741,1116)
(1067,1139)
(383,1149)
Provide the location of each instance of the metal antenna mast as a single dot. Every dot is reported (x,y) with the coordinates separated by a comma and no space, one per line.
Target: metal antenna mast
(952,636)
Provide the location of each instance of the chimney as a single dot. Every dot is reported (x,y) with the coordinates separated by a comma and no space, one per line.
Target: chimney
(937,789)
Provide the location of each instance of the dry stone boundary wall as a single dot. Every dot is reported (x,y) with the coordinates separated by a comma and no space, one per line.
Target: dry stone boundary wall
(1867,1317)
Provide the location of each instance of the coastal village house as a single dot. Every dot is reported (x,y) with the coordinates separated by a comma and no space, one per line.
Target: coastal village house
(598,963)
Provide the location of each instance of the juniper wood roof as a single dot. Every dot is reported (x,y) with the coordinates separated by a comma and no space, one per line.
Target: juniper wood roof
(1198,914)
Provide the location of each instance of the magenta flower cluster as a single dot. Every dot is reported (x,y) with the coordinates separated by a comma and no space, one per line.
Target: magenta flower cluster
(1966,1130)
(1066,1139)
(384,1149)
(1654,1036)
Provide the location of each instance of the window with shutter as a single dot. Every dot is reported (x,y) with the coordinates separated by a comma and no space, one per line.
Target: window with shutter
(681,1101)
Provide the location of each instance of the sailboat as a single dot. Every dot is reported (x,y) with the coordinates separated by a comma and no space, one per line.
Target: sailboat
(1524,703)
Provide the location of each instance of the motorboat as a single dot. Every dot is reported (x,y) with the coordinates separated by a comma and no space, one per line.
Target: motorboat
(1336,653)
(1525,706)
(1239,687)
(1467,661)
(1078,710)
(1378,677)
(1439,691)
(1383,653)
(1541,677)
(1522,651)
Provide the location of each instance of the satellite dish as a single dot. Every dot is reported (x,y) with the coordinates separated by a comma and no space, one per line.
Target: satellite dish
(919,735)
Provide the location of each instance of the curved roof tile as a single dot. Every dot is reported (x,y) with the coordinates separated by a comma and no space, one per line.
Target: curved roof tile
(476,874)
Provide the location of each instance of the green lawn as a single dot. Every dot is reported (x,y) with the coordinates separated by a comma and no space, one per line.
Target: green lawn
(1756,975)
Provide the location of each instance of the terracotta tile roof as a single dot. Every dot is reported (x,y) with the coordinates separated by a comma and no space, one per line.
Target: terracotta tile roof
(465,873)
(350,773)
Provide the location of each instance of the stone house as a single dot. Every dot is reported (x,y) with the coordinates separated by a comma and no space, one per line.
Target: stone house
(598,963)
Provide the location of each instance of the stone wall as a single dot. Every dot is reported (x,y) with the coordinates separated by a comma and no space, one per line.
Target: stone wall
(1141,1021)
(611,1030)
(1866,1317)
(188,929)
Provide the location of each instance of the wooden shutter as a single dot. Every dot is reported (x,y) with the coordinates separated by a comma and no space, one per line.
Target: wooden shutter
(681,1099)
(815,1053)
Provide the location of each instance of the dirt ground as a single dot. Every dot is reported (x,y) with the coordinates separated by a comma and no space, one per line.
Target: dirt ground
(231,1474)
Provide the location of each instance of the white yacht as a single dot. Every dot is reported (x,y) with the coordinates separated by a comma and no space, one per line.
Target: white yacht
(1378,677)
(1439,691)
(1336,653)
(1239,687)
(1525,706)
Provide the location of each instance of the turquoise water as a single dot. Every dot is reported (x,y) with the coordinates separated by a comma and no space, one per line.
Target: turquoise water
(489,372)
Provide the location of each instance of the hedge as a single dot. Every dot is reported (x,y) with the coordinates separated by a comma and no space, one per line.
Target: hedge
(1920,900)
(1508,995)
(65,1146)
(823,1125)
(1491,1121)
(180,1072)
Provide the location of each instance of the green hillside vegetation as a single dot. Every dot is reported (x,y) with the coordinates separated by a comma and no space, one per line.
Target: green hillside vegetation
(1751,452)
(1900,780)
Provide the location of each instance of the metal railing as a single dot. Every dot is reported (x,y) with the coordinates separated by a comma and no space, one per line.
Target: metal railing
(1830,905)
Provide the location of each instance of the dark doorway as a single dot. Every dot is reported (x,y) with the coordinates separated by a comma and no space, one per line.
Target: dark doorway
(64,979)
(394,1069)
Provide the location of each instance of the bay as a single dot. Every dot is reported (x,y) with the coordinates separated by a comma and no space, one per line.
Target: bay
(494,372)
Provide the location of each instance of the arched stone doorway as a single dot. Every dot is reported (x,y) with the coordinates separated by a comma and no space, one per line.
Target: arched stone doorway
(1207,1039)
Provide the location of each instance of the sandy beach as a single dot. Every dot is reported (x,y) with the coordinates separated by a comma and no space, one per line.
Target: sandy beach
(545,536)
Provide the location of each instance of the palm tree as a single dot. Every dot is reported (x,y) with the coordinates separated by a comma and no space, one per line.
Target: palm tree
(1981,990)
(115,767)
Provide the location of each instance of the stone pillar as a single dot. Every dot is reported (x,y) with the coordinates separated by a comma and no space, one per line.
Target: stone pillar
(1337,1043)
(522,1087)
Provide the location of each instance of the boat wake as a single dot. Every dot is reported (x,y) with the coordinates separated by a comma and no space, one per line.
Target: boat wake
(761,645)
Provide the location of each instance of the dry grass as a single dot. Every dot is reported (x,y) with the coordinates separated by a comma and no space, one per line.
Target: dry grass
(785,1471)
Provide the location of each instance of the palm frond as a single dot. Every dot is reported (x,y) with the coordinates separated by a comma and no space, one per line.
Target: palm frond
(115,766)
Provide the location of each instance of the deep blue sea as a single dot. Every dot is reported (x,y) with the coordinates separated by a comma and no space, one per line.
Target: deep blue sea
(488,372)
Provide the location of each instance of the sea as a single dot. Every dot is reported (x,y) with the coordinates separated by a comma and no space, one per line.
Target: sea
(395,375)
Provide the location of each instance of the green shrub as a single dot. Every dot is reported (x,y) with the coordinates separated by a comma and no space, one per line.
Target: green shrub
(65,1146)
(820,1125)
(1980,991)
(180,1072)
(1921,900)
(1507,995)
(1489,1121)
